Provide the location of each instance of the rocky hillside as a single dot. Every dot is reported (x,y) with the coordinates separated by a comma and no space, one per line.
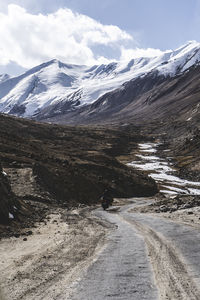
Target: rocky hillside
(68,165)
(9,205)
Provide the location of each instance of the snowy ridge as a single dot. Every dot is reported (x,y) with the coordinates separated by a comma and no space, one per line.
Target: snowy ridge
(4,77)
(55,82)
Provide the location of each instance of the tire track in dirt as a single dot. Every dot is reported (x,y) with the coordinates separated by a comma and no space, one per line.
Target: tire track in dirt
(171,275)
(122,270)
(52,258)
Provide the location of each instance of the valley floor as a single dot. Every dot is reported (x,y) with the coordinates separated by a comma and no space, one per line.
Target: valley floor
(117,254)
(141,248)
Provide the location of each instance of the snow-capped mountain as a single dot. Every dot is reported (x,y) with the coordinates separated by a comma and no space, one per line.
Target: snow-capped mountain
(54,82)
(4,77)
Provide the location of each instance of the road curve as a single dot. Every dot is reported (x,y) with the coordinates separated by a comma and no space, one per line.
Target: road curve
(146,257)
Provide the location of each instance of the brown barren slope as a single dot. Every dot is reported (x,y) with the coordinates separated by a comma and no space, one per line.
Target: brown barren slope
(68,165)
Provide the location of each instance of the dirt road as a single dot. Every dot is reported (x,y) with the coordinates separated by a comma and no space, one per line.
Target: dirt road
(147,257)
(44,264)
(117,254)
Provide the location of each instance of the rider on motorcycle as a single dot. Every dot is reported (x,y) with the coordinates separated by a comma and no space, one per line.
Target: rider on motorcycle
(106,199)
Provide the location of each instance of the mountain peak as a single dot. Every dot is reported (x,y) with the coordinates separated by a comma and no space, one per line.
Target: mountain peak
(54,61)
(193,42)
(77,85)
(188,46)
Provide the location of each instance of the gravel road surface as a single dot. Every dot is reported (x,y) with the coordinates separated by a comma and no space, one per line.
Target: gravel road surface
(146,257)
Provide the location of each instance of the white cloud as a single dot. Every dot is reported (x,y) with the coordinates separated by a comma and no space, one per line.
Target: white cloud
(29,39)
(128,54)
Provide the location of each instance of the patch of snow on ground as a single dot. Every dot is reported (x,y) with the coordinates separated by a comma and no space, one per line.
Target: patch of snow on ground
(168,192)
(194,191)
(146,146)
(175,189)
(149,150)
(147,157)
(162,173)
(157,166)
(11,216)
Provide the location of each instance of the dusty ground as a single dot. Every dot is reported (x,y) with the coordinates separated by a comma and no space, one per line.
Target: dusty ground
(51,259)
(141,240)
(190,216)
(173,252)
(44,264)
(182,209)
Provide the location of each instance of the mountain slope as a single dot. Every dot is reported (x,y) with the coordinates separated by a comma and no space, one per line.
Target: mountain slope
(4,77)
(143,100)
(57,87)
(69,165)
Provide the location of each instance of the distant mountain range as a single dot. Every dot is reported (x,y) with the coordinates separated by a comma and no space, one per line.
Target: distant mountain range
(58,92)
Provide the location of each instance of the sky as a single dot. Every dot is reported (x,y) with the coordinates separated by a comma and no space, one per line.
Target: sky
(92,31)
